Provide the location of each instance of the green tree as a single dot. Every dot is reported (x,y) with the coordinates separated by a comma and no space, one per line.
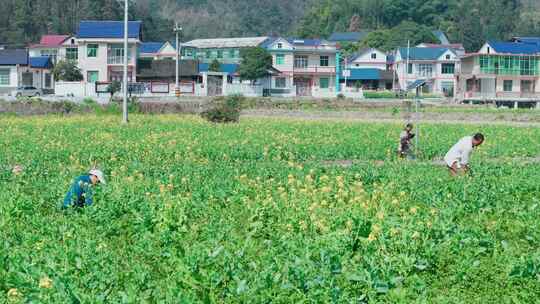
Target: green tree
(67,71)
(255,63)
(215,66)
(113,88)
(379,39)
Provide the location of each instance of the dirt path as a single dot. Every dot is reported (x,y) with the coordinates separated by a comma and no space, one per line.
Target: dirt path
(518,119)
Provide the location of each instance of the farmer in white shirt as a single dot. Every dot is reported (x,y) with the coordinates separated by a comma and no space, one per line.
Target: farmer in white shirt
(457,158)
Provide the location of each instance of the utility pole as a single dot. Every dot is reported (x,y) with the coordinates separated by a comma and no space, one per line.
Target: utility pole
(178,32)
(126,52)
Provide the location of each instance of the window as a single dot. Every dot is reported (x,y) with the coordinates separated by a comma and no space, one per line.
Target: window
(92,76)
(409,68)
(72,41)
(373,55)
(488,50)
(507,85)
(448,57)
(280,59)
(220,54)
(4,77)
(281,82)
(447,87)
(208,54)
(448,68)
(236,53)
(92,50)
(231,53)
(48,80)
(72,53)
(301,62)
(324,83)
(324,61)
(280,45)
(425,70)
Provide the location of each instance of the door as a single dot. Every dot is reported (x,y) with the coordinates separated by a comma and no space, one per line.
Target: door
(303,86)
(215,85)
(27,79)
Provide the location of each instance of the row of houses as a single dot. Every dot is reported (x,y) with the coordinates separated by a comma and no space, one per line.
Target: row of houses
(301,67)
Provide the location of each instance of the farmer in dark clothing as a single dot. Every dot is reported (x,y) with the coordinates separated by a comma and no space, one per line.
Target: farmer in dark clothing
(405,138)
(80,192)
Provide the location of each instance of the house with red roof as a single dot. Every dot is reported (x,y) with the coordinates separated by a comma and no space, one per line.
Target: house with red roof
(50,46)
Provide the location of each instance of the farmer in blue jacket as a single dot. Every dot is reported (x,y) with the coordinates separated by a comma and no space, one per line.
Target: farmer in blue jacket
(80,192)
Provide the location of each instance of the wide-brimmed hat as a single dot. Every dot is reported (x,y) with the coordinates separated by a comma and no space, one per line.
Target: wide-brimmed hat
(97,173)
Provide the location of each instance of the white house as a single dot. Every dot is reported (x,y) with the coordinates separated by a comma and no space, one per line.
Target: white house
(100,50)
(12,63)
(502,71)
(308,67)
(368,69)
(157,50)
(438,66)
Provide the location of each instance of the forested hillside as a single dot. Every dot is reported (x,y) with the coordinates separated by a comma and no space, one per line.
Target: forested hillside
(467,21)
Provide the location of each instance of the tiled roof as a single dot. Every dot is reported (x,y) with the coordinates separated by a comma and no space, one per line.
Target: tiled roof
(230,68)
(150,47)
(514,47)
(455,46)
(53,40)
(348,36)
(13,57)
(419,53)
(226,42)
(308,42)
(528,40)
(108,29)
(41,62)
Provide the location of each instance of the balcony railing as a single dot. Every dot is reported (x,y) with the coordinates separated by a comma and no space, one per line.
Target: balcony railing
(117,60)
(315,69)
(502,95)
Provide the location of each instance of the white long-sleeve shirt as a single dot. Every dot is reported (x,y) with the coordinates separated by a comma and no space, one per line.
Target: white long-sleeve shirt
(460,152)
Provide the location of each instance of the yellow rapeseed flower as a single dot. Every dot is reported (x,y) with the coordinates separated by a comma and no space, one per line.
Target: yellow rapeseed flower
(45,282)
(13,293)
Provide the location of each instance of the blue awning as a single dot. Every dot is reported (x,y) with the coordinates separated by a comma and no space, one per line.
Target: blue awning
(364,74)
(41,62)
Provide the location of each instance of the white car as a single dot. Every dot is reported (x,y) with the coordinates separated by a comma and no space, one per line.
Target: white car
(27,91)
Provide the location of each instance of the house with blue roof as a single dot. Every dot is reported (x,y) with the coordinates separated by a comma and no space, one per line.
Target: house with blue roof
(308,67)
(157,50)
(369,69)
(12,65)
(438,66)
(502,70)
(101,50)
